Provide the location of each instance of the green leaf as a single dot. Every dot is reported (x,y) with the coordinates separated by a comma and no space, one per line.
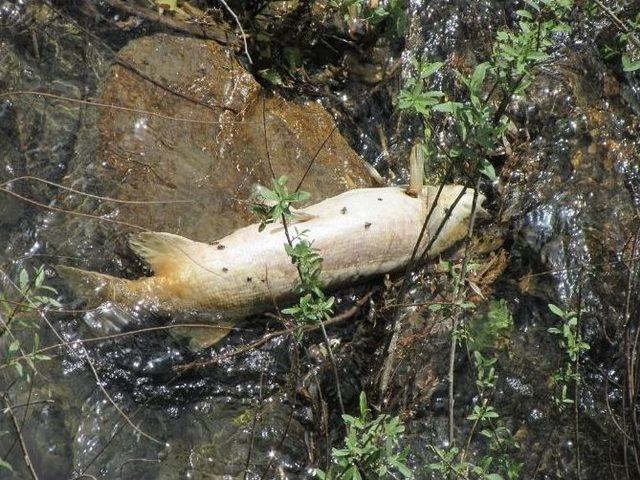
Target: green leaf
(487,169)
(23,279)
(5,465)
(363,404)
(448,107)
(628,65)
(428,69)
(556,310)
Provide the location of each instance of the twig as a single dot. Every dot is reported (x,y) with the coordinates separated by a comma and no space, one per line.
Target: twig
(316,156)
(456,317)
(23,445)
(388,364)
(576,393)
(71,212)
(244,36)
(296,357)
(620,23)
(98,197)
(95,373)
(82,341)
(116,406)
(119,107)
(290,242)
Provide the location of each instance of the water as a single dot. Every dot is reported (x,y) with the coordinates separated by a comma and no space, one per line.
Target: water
(565,205)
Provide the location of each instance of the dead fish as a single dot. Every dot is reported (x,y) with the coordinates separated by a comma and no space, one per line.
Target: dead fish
(360,234)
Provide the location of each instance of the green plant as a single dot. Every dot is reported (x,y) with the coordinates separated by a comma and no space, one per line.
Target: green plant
(371,448)
(491,328)
(274,205)
(626,44)
(478,118)
(390,12)
(17,314)
(573,346)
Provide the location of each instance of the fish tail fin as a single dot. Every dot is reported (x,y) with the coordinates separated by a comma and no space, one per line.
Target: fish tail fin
(95,288)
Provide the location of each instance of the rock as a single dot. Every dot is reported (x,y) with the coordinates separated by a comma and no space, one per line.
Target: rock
(212,161)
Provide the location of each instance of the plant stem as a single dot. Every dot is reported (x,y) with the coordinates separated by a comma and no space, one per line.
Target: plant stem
(456,317)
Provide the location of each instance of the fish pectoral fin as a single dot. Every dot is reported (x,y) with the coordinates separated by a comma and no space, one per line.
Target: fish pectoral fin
(205,336)
(165,252)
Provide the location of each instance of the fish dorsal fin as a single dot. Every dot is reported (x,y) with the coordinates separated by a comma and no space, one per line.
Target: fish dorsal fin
(165,252)
(300,216)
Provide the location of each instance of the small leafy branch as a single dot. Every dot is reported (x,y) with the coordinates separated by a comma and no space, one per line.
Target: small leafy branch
(498,462)
(274,205)
(313,306)
(573,346)
(16,313)
(371,448)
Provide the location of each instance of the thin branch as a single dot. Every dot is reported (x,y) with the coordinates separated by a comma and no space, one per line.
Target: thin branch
(456,317)
(118,107)
(97,197)
(287,331)
(71,212)
(244,36)
(290,242)
(23,445)
(194,29)
(316,156)
(116,406)
(93,370)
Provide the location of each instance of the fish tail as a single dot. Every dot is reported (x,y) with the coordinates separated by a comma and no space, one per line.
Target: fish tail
(93,287)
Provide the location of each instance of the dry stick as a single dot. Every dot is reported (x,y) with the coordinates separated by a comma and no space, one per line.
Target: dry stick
(631,356)
(118,107)
(82,341)
(621,24)
(23,445)
(290,242)
(98,197)
(244,36)
(456,317)
(253,423)
(253,428)
(71,212)
(290,419)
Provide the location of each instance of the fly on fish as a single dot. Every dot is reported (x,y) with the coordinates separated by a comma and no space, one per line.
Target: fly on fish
(359,234)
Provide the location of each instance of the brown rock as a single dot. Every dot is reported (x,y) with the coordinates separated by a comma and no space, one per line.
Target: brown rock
(213,159)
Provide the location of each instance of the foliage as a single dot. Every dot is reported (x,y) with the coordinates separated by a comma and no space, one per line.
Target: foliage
(573,346)
(626,44)
(17,315)
(274,205)
(371,448)
(478,119)
(390,12)
(491,328)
